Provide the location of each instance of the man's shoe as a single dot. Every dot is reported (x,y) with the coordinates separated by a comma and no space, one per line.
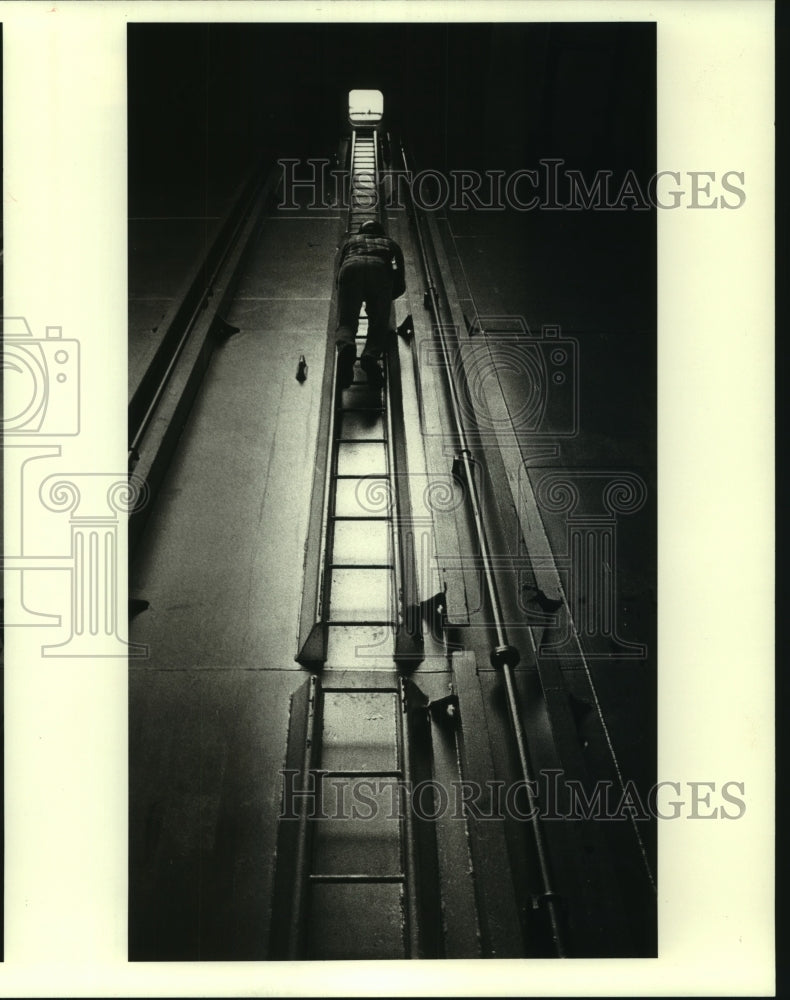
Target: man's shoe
(346,358)
(370,367)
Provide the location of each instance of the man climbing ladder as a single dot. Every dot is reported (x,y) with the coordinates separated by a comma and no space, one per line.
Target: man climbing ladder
(370,270)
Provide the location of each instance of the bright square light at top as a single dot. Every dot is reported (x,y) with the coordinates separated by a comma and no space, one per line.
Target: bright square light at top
(365,107)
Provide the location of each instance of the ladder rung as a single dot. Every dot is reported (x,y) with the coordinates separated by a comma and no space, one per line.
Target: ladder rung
(345,440)
(357,879)
(363,774)
(379,477)
(337,565)
(356,517)
(360,689)
(378,622)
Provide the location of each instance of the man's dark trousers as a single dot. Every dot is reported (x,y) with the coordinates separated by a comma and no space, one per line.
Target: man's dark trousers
(365,280)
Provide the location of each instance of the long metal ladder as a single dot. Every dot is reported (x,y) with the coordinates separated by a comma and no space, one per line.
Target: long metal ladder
(361,574)
(354,868)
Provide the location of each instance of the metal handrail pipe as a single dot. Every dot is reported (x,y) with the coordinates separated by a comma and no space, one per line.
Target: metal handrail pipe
(504,656)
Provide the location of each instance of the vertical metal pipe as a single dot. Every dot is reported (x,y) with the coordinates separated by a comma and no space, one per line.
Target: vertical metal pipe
(549,895)
(503,656)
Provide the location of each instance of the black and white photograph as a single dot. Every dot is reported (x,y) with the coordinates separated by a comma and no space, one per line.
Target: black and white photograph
(377,560)
(393,571)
